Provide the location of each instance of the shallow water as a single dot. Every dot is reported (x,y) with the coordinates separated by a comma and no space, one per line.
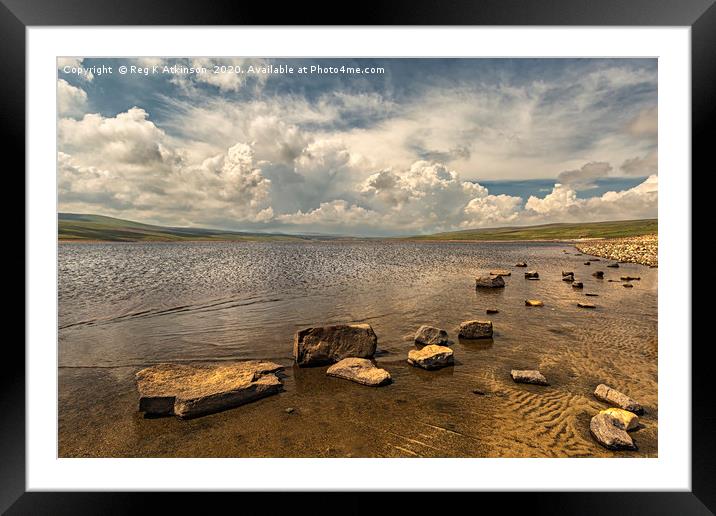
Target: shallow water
(125,306)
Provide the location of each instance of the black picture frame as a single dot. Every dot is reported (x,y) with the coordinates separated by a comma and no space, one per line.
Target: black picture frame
(700,15)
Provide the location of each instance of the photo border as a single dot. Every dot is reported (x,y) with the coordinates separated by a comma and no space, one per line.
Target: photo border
(700,15)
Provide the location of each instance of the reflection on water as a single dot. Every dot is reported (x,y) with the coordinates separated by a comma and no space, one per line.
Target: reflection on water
(124,306)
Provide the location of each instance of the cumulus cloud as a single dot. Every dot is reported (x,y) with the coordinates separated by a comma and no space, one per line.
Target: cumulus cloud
(583,178)
(74,62)
(358,162)
(71,101)
(562,204)
(642,166)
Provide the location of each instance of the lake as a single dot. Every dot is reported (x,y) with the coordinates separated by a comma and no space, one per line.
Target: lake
(125,306)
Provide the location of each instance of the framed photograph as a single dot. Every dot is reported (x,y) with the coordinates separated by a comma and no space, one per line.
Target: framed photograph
(431,248)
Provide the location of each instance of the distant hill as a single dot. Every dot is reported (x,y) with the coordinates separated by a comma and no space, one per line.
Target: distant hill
(79,227)
(568,231)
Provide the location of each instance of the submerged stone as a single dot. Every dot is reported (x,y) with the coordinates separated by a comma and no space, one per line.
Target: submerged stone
(427,335)
(528,376)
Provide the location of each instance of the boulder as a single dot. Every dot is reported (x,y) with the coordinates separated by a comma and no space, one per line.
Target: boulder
(567,273)
(500,272)
(521,264)
(587,263)
(431,357)
(533,302)
(590,294)
(608,434)
(532,275)
(596,260)
(359,370)
(193,390)
(427,335)
(492,311)
(586,305)
(598,274)
(627,285)
(622,418)
(475,330)
(613,265)
(568,278)
(577,284)
(630,278)
(328,344)
(487,281)
(528,376)
(613,397)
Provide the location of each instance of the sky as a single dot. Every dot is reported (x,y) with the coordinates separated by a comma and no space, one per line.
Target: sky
(407,146)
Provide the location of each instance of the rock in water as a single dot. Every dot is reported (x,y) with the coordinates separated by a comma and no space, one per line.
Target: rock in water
(598,274)
(616,398)
(622,418)
(487,281)
(359,370)
(431,357)
(567,273)
(569,278)
(521,264)
(613,265)
(492,311)
(577,284)
(501,272)
(193,390)
(533,302)
(590,294)
(475,329)
(329,344)
(586,305)
(532,275)
(608,434)
(427,335)
(627,285)
(630,278)
(528,376)
(587,263)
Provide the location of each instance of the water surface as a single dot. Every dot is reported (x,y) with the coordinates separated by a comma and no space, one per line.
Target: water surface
(126,306)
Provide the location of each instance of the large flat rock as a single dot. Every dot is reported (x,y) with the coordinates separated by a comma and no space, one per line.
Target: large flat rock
(359,370)
(187,390)
(322,345)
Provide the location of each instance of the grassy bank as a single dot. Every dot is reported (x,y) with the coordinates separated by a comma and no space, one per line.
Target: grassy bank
(615,229)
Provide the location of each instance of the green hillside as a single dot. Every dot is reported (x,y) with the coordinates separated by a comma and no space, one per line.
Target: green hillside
(79,227)
(568,231)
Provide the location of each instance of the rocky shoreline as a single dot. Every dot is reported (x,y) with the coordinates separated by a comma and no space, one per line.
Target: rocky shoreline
(640,249)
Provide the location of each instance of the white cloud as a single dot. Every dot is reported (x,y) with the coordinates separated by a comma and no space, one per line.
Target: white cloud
(583,178)
(74,63)
(71,101)
(563,205)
